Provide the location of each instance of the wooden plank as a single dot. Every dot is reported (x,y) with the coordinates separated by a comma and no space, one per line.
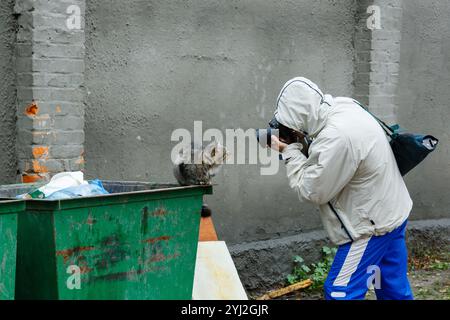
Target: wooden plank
(284,291)
(216,277)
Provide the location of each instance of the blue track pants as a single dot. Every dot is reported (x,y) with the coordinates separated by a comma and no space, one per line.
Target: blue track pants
(380,261)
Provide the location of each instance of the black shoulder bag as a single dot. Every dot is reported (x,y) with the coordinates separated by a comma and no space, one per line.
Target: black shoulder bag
(409,149)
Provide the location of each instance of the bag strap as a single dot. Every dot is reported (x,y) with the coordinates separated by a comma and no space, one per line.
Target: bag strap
(389,130)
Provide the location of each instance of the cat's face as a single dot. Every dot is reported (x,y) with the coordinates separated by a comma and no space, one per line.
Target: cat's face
(214,154)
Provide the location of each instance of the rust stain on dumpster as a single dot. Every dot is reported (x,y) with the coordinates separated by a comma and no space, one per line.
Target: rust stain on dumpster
(68,253)
(91,220)
(157,239)
(159,212)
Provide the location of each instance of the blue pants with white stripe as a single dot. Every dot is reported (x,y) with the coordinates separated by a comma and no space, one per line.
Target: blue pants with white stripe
(381,261)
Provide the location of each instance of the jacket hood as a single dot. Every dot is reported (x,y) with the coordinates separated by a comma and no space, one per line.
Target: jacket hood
(302,106)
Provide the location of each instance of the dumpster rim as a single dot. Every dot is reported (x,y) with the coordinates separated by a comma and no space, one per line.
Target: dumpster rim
(8,206)
(113,198)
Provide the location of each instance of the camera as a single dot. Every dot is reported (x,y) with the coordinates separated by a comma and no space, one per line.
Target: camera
(285,134)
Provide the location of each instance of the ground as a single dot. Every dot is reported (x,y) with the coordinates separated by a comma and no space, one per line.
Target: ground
(429,276)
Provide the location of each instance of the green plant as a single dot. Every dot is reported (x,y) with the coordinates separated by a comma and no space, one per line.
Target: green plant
(440,265)
(429,260)
(317,272)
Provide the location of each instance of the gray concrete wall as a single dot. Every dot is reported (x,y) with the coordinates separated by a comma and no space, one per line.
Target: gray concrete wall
(154,66)
(424,100)
(7,93)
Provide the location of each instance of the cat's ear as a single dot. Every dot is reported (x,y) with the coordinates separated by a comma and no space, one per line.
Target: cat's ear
(214,153)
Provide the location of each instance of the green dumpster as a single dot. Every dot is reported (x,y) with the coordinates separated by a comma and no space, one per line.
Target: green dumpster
(9,211)
(139,242)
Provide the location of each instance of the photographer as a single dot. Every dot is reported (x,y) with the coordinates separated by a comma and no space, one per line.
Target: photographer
(350,172)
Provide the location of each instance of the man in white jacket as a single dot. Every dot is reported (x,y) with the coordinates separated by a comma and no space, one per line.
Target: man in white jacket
(352,175)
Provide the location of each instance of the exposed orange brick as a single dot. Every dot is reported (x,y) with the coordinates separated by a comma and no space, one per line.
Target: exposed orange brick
(39,167)
(31,178)
(32,109)
(80,160)
(40,152)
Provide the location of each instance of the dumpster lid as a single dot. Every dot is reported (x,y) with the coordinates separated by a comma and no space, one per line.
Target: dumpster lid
(123,192)
(120,192)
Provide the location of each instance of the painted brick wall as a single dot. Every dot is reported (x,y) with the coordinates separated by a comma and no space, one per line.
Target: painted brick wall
(363,45)
(385,60)
(377,57)
(50,92)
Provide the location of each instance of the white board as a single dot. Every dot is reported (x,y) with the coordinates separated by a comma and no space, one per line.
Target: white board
(216,277)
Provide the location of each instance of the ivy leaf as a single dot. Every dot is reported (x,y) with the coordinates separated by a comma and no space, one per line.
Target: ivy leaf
(291,279)
(306,268)
(298,259)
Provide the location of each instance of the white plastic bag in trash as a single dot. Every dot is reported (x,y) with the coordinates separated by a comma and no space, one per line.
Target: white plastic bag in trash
(62,181)
(67,185)
(93,188)
(59,182)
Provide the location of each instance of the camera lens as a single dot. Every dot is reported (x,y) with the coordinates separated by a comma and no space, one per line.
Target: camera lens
(264,136)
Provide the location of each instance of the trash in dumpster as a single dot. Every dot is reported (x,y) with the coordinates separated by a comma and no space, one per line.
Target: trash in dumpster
(93,188)
(67,185)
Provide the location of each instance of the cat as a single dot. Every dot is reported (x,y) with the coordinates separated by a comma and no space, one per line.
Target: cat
(195,165)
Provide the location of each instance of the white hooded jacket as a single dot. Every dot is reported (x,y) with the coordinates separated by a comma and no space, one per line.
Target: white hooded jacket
(351,172)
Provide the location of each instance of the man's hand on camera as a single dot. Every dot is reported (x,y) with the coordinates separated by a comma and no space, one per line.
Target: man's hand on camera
(277,145)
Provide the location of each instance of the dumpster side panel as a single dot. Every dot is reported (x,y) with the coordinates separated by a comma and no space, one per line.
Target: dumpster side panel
(132,250)
(36,268)
(8,240)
